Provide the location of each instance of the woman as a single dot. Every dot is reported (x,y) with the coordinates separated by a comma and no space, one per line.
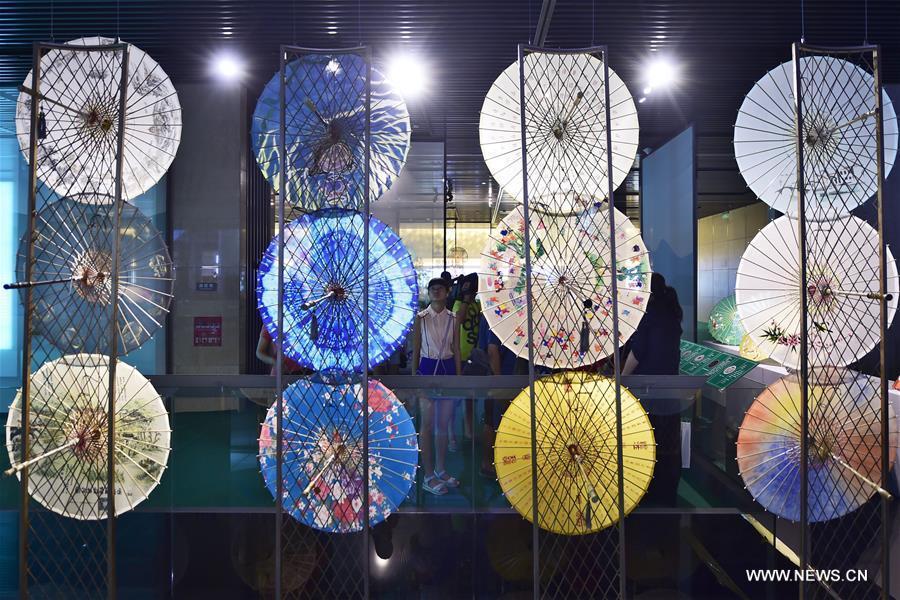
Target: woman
(436,352)
(655,350)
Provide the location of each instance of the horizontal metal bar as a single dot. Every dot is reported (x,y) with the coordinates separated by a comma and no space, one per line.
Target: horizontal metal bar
(641,385)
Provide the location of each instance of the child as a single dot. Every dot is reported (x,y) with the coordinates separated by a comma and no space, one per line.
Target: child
(436,352)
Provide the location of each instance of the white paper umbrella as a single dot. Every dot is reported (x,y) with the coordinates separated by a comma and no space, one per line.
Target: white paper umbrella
(80,108)
(839,137)
(565,124)
(68,417)
(571,279)
(842,271)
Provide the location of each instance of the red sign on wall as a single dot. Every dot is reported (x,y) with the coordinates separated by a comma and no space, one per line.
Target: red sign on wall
(207,331)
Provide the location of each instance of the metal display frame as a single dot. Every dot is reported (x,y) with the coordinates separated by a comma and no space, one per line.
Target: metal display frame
(601,53)
(28,568)
(288,53)
(816,548)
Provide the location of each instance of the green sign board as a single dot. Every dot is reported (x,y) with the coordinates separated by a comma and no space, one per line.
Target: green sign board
(720,368)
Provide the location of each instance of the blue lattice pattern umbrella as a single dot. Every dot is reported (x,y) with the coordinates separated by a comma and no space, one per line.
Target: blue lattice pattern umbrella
(325,266)
(325,130)
(322,450)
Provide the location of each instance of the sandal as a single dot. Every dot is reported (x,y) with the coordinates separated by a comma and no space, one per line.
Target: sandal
(438,489)
(450,482)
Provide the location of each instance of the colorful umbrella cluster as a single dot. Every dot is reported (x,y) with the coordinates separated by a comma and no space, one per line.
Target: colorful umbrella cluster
(86,243)
(572,103)
(323,454)
(346,275)
(846,286)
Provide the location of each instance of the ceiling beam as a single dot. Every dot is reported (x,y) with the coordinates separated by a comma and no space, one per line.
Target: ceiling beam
(543,24)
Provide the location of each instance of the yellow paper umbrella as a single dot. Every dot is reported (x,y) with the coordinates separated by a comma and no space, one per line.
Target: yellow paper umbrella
(575,436)
(750,350)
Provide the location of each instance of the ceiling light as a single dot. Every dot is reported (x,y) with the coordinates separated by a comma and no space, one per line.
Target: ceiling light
(661,73)
(333,66)
(228,67)
(409,74)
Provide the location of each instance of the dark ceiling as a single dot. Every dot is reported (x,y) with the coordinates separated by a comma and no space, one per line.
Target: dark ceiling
(722,47)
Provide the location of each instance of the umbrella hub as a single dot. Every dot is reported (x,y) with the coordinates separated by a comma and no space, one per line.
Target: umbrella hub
(818,132)
(98,119)
(575,452)
(337,291)
(91,272)
(821,291)
(89,434)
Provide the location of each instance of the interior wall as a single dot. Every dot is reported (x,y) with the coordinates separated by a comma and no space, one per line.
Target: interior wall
(206,204)
(721,240)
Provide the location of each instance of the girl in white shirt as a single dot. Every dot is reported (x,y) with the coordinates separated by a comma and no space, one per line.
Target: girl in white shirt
(436,352)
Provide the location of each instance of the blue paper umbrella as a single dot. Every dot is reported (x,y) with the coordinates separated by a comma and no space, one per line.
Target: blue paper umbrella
(322,469)
(325,131)
(325,265)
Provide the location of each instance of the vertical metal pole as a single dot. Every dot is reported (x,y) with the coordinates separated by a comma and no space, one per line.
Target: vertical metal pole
(804,373)
(883,325)
(614,291)
(365,348)
(279,338)
(25,404)
(114,339)
(535,529)
(446,196)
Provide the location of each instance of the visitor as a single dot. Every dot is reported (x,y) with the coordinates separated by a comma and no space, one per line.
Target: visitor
(501,361)
(468,312)
(655,350)
(266,350)
(436,352)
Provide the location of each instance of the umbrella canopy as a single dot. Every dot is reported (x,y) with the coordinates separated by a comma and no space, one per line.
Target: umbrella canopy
(565,128)
(72,279)
(325,263)
(842,277)
(325,130)
(577,468)
(749,350)
(323,453)
(571,279)
(844,464)
(80,107)
(724,324)
(67,468)
(839,133)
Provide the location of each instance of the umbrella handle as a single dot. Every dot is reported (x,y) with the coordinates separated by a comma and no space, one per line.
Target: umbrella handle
(313,303)
(28,284)
(19,467)
(883,492)
(318,475)
(33,94)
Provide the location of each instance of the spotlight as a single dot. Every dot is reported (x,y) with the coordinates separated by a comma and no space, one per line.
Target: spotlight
(408,73)
(661,73)
(228,67)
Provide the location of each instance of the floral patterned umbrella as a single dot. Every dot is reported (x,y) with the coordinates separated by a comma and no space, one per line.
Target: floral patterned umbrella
(323,453)
(724,324)
(571,279)
(842,282)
